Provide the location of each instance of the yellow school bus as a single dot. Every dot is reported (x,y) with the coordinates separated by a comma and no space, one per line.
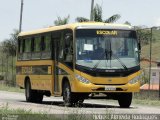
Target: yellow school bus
(78,60)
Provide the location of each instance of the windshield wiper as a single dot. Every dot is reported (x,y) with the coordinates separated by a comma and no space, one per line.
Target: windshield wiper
(124,66)
(99,60)
(108,55)
(112,55)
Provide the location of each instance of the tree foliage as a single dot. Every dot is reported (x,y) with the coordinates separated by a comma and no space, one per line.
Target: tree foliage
(61,21)
(144,35)
(97,13)
(97,16)
(82,19)
(113,18)
(9,45)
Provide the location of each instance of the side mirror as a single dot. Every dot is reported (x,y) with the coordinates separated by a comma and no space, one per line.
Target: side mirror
(68,39)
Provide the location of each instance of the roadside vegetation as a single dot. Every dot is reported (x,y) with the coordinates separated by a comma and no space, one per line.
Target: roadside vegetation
(4,110)
(148,98)
(147,102)
(5,87)
(21,114)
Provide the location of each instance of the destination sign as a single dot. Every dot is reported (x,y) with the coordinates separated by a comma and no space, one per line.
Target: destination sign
(106,32)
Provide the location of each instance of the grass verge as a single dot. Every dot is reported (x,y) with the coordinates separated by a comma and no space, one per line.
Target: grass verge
(147,102)
(6,110)
(4,87)
(7,113)
(149,98)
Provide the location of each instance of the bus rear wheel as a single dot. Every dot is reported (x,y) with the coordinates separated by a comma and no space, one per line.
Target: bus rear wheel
(32,95)
(125,100)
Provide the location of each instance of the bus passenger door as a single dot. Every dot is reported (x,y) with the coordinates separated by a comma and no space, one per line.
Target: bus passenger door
(56,89)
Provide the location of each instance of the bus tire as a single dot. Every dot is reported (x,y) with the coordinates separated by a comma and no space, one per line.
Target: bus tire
(29,93)
(125,100)
(67,94)
(32,95)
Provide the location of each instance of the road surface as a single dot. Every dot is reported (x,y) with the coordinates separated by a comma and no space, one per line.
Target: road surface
(54,105)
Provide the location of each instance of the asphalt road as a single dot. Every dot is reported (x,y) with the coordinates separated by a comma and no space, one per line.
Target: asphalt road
(54,105)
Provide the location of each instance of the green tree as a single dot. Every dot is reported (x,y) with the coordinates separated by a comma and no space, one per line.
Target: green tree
(9,45)
(61,21)
(97,16)
(143,34)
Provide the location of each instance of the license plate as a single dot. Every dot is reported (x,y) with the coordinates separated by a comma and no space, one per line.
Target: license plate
(110,88)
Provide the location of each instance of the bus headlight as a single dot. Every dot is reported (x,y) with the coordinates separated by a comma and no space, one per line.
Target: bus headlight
(135,79)
(82,79)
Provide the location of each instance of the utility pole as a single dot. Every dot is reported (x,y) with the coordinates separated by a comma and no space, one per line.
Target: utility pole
(91,15)
(150,57)
(21,14)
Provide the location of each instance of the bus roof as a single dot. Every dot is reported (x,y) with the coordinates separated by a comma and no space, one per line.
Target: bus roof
(81,25)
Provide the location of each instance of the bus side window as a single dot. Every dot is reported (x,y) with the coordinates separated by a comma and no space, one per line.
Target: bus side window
(19,43)
(32,44)
(48,43)
(43,44)
(20,49)
(23,45)
(36,53)
(27,49)
(46,46)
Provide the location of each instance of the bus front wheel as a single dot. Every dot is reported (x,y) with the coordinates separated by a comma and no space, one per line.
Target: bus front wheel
(125,100)
(70,98)
(67,95)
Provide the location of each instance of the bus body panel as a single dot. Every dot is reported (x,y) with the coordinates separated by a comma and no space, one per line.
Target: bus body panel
(38,82)
(39,73)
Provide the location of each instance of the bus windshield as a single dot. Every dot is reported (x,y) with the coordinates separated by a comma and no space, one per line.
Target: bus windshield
(106,49)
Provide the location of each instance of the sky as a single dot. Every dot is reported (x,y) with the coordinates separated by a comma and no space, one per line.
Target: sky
(42,13)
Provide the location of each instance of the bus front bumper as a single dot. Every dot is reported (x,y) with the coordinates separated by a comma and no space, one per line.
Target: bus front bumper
(92,88)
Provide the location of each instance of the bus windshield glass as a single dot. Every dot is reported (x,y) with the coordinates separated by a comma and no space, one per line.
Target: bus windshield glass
(106,48)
